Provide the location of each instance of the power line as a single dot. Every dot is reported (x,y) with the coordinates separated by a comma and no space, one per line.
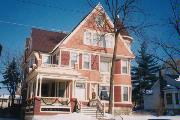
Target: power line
(30,26)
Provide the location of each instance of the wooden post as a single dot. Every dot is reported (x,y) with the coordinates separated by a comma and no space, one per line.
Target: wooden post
(40,86)
(37,79)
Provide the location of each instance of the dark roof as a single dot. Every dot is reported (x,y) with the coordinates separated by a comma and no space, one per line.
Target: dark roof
(45,41)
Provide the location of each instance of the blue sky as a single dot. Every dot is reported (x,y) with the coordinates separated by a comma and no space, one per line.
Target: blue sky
(18,16)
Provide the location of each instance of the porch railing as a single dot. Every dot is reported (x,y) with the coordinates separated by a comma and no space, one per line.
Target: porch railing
(55,101)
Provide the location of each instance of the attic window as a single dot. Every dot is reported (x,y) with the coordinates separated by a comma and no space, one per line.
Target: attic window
(99,21)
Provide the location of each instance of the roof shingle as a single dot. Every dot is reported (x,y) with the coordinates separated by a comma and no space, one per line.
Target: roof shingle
(45,41)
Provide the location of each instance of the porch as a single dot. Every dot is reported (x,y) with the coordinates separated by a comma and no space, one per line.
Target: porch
(51,90)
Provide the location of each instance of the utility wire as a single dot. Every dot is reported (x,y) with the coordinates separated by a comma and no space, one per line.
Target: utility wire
(30,26)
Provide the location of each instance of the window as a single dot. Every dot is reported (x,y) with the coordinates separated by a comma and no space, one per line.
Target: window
(88,37)
(109,41)
(177,98)
(86,61)
(95,39)
(125,94)
(74,58)
(105,66)
(169,98)
(125,66)
(99,21)
(102,42)
(46,59)
(104,92)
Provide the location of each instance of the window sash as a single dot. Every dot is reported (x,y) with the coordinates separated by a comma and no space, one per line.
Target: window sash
(86,61)
(46,60)
(104,66)
(125,66)
(125,94)
(88,36)
(74,58)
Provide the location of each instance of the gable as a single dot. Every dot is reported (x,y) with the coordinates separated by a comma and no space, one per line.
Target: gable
(76,37)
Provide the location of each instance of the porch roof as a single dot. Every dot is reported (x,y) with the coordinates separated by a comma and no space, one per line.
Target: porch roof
(60,73)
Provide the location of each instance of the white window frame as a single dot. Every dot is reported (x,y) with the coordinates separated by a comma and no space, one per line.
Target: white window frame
(108,66)
(129,94)
(85,38)
(71,57)
(128,66)
(45,55)
(83,61)
(112,40)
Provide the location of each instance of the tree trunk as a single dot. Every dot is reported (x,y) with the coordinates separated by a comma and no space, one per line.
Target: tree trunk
(110,110)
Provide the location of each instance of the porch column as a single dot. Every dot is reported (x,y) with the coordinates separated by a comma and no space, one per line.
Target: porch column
(31,90)
(86,91)
(73,90)
(40,86)
(37,79)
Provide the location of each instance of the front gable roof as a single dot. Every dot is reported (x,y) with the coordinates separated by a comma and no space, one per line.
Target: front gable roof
(122,47)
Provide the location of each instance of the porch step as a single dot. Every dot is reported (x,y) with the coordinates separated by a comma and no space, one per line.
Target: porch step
(90,111)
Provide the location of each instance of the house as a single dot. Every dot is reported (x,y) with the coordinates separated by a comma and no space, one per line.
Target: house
(154,94)
(5,100)
(172,97)
(61,68)
(171,100)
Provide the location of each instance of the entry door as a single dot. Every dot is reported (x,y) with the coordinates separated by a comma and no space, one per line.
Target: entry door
(94,88)
(80,91)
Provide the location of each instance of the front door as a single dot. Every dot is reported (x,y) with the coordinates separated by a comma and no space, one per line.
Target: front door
(80,91)
(94,90)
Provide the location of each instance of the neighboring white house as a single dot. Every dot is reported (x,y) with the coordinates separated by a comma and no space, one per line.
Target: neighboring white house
(5,100)
(152,99)
(172,99)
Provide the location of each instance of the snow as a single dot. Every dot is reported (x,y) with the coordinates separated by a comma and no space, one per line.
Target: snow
(72,116)
(79,116)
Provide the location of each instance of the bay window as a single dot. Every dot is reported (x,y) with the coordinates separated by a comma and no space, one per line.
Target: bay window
(86,61)
(74,58)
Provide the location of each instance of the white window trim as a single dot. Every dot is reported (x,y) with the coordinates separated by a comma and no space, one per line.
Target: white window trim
(83,61)
(109,68)
(92,36)
(129,71)
(43,55)
(129,97)
(70,65)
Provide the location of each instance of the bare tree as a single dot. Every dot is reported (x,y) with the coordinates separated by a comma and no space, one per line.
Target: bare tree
(175,18)
(120,12)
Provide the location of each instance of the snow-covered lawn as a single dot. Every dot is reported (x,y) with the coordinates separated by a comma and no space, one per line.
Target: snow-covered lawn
(79,116)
